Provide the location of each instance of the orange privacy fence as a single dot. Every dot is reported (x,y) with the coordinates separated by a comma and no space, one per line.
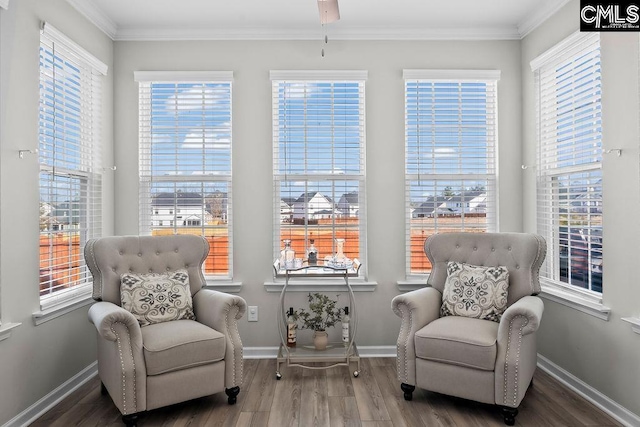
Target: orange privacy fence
(217,262)
(60,261)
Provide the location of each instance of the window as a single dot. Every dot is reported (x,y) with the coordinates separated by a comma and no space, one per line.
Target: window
(450,156)
(569,170)
(70,167)
(185,160)
(318,161)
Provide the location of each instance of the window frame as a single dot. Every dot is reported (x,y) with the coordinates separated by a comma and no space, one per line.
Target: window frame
(322,77)
(147,179)
(584,300)
(490,77)
(89,172)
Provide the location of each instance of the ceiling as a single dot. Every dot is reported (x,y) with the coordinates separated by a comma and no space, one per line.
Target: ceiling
(298,19)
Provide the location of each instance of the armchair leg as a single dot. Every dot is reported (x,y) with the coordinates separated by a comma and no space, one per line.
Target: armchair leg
(408,390)
(509,415)
(103,389)
(233,394)
(130,420)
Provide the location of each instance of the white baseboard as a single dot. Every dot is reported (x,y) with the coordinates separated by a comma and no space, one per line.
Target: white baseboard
(38,409)
(612,408)
(364,351)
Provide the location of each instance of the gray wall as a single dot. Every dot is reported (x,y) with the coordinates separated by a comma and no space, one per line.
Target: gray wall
(37,359)
(252,145)
(602,354)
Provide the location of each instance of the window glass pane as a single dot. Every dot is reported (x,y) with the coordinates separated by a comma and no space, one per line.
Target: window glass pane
(569,167)
(319,165)
(185,164)
(70,172)
(450,161)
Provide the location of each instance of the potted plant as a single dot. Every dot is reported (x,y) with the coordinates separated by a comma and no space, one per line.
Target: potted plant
(322,314)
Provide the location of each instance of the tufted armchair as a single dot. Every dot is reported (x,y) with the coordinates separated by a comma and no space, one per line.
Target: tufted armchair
(143,368)
(475,359)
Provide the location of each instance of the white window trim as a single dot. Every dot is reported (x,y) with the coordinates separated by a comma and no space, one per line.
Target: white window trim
(585,301)
(182,76)
(579,299)
(74,300)
(415,281)
(74,49)
(5,330)
(223,283)
(359,283)
(63,302)
(635,323)
(452,75)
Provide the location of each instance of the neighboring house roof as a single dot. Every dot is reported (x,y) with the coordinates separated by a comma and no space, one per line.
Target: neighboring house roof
(465,197)
(289,200)
(428,206)
(305,197)
(351,198)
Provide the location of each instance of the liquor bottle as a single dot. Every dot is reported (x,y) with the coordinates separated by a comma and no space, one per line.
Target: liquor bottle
(312,253)
(291,329)
(287,256)
(345,326)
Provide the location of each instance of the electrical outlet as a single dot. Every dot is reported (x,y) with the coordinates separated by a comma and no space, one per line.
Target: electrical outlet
(253,313)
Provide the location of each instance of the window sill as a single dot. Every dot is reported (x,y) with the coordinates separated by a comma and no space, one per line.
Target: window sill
(61,309)
(321,285)
(5,330)
(227,286)
(581,301)
(635,323)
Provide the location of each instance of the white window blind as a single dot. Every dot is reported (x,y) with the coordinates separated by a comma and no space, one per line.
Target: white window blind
(70,164)
(569,174)
(450,156)
(185,160)
(319,161)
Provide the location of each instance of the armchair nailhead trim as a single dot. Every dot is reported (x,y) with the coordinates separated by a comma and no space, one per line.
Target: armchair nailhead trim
(403,325)
(234,334)
(124,390)
(506,361)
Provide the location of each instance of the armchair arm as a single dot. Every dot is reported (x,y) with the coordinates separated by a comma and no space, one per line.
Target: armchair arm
(517,351)
(221,312)
(120,356)
(416,309)
(104,314)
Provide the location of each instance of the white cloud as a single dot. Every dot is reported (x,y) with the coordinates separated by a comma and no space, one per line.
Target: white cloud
(444,153)
(208,140)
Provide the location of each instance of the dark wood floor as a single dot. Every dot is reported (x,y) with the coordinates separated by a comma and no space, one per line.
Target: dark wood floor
(333,397)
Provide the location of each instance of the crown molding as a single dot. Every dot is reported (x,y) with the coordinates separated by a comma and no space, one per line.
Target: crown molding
(536,19)
(96,16)
(368,33)
(101,20)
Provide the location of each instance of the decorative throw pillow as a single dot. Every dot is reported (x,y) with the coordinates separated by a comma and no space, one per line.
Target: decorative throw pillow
(475,291)
(154,298)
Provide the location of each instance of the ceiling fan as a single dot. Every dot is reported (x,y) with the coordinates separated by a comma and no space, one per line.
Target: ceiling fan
(328,10)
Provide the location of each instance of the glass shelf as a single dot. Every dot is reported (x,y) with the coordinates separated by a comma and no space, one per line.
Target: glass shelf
(320,270)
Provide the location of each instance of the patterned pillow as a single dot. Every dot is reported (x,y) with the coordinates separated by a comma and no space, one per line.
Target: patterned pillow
(154,298)
(474,291)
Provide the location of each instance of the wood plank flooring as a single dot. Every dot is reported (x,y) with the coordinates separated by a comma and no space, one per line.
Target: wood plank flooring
(332,398)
